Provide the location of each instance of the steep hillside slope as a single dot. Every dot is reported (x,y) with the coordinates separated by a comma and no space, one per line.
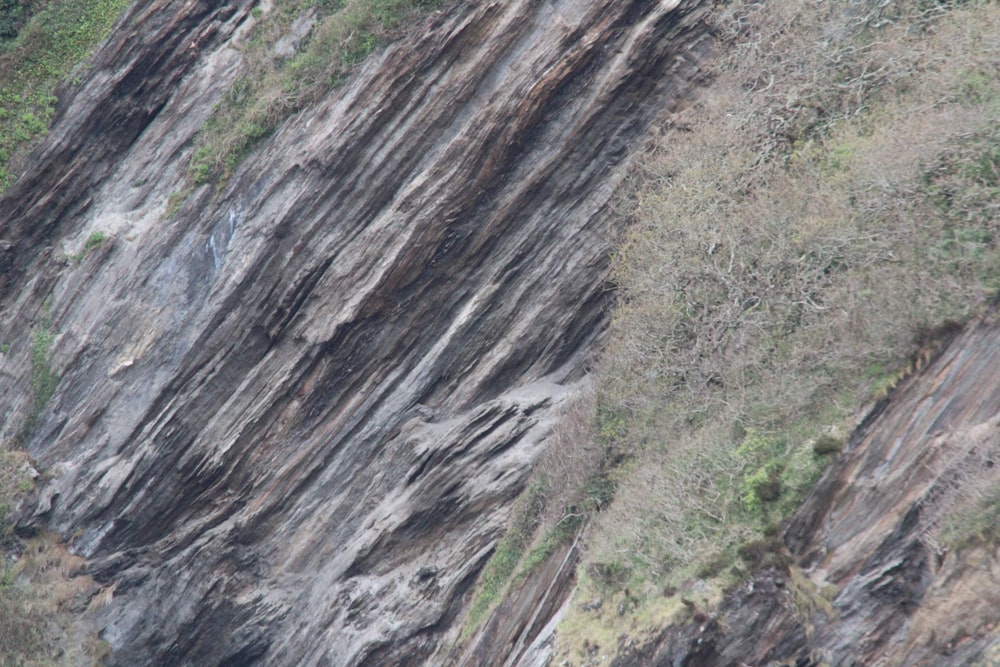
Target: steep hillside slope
(291,413)
(893,556)
(807,234)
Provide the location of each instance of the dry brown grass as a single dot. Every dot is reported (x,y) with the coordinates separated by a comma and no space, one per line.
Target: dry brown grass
(571,465)
(42,588)
(962,508)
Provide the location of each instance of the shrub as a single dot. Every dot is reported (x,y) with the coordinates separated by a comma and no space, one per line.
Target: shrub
(11,17)
(826,445)
(764,553)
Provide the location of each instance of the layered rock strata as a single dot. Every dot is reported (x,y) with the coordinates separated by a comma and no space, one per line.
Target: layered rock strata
(293,412)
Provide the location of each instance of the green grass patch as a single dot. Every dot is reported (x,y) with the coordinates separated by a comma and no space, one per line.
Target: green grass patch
(175,201)
(977,524)
(559,535)
(43,379)
(46,49)
(94,241)
(498,573)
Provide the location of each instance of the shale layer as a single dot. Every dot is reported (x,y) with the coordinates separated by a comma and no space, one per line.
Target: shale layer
(293,412)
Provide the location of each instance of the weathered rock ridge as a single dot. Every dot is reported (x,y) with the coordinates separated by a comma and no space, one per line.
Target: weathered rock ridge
(293,413)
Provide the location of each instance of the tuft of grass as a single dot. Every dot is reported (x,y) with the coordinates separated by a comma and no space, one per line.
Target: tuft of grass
(22,625)
(343,33)
(13,14)
(95,240)
(175,201)
(39,586)
(35,54)
(559,535)
(977,523)
(498,572)
(22,628)
(43,379)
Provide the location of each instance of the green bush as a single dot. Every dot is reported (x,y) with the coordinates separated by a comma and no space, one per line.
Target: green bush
(22,629)
(826,445)
(12,14)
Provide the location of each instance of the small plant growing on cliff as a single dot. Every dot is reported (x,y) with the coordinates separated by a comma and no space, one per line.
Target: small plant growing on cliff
(43,380)
(343,34)
(177,199)
(95,240)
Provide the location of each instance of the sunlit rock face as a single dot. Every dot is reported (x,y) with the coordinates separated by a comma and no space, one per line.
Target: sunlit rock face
(294,411)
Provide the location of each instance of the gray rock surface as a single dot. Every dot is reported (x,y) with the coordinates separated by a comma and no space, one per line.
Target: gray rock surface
(292,416)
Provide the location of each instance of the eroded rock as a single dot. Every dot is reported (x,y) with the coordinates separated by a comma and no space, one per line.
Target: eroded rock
(293,413)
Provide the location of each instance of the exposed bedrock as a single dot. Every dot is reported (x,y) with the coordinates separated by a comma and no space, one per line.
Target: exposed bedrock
(294,412)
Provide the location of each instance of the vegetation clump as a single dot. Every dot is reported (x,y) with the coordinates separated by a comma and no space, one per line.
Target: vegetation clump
(828,200)
(43,379)
(95,240)
(280,81)
(40,44)
(23,629)
(499,569)
(567,487)
(975,520)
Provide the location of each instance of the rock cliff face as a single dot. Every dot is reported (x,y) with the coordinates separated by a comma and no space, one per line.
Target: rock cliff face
(293,413)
